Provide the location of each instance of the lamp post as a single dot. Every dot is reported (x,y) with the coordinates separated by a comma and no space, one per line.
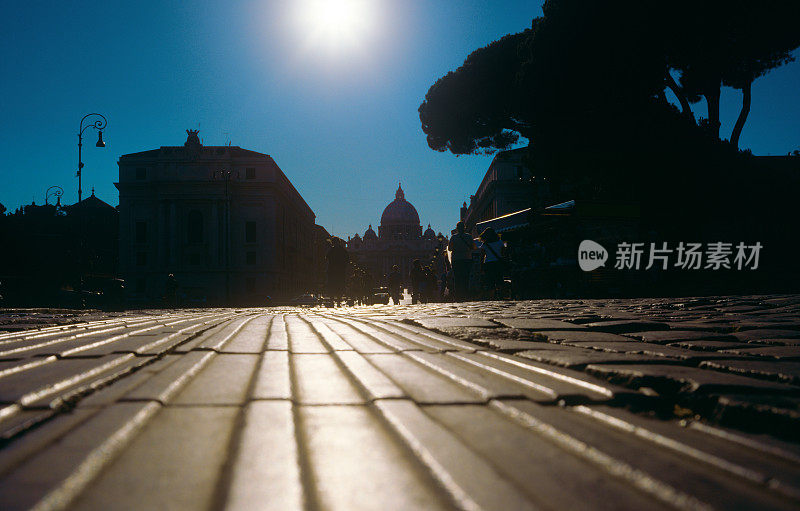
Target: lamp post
(226,176)
(99,124)
(56,192)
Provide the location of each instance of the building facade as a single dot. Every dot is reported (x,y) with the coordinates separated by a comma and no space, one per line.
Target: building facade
(399,241)
(508,186)
(224,220)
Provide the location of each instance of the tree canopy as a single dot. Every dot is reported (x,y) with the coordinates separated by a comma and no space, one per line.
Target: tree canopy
(591,75)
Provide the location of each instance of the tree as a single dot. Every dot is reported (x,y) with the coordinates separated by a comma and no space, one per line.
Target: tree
(712,43)
(476,109)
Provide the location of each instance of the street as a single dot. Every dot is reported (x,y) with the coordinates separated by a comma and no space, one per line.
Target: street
(688,403)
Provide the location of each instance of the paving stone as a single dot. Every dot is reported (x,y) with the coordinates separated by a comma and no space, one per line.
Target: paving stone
(584,335)
(273,377)
(49,379)
(708,345)
(788,372)
(665,336)
(750,461)
(779,352)
(14,453)
(81,455)
(571,357)
(442,322)
(278,339)
(539,324)
(356,463)
(224,381)
(174,463)
(163,386)
(356,339)
(320,381)
(487,384)
(266,470)
(334,341)
(664,474)
(514,345)
(758,335)
(374,383)
(214,334)
(251,338)
(620,326)
(647,348)
(420,383)
(472,481)
(302,339)
(671,379)
(557,383)
(537,466)
(20,421)
(778,415)
(387,341)
(424,339)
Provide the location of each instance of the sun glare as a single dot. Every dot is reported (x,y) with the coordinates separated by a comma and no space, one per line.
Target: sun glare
(335,24)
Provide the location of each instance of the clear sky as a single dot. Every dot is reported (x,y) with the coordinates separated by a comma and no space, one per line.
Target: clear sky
(337,111)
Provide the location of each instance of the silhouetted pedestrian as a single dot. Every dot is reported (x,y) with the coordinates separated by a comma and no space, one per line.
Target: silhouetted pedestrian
(171,290)
(417,278)
(395,285)
(338,259)
(492,248)
(461,247)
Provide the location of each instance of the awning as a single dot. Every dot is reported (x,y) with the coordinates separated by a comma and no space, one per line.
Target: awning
(509,222)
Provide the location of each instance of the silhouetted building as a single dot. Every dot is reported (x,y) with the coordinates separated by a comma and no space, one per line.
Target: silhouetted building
(399,240)
(508,186)
(224,220)
(61,256)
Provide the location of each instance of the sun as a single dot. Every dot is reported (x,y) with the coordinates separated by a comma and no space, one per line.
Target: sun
(335,24)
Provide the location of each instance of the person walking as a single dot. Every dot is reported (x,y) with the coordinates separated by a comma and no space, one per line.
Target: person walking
(417,282)
(338,260)
(492,248)
(461,247)
(395,285)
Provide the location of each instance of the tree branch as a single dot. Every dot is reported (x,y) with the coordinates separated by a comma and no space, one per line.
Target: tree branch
(745,111)
(676,89)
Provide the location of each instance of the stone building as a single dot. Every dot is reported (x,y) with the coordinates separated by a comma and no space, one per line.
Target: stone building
(399,241)
(224,220)
(508,186)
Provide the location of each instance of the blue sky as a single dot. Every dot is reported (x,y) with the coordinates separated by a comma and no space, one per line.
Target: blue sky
(339,119)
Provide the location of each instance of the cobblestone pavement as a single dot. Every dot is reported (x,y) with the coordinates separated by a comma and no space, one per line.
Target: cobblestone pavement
(552,404)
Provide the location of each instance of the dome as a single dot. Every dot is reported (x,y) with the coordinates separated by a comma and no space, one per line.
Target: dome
(399,211)
(429,233)
(370,234)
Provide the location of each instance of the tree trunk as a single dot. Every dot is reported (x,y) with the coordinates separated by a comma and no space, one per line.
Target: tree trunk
(686,109)
(745,111)
(712,99)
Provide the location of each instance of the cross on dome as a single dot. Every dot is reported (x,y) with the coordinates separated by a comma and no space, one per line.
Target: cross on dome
(399,194)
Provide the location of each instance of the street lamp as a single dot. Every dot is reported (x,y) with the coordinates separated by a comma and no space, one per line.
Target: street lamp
(226,175)
(99,124)
(53,191)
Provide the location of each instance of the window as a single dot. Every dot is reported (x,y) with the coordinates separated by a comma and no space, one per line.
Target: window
(141,232)
(141,173)
(194,227)
(141,258)
(251,257)
(140,285)
(250,173)
(250,232)
(250,285)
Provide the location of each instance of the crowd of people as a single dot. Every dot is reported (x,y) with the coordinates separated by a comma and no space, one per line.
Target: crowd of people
(452,274)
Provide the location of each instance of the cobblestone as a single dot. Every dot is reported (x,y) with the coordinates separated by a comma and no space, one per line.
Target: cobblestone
(691,403)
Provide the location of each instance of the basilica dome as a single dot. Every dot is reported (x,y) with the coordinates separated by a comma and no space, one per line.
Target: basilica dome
(400,211)
(400,219)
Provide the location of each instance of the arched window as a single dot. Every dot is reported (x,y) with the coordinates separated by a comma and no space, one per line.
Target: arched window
(194,227)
